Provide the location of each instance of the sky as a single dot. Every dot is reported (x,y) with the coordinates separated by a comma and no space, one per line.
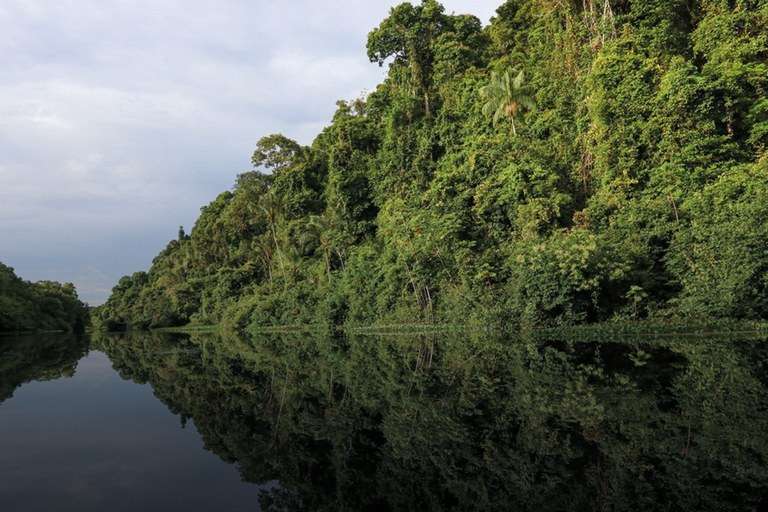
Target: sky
(119,119)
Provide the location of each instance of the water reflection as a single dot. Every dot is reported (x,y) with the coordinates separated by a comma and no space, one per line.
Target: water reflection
(37,357)
(91,441)
(437,422)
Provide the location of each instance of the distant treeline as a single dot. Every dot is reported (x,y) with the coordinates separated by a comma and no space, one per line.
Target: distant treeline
(573,161)
(41,306)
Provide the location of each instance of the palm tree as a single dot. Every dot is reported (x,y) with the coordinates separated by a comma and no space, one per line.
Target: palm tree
(272,208)
(505,96)
(319,229)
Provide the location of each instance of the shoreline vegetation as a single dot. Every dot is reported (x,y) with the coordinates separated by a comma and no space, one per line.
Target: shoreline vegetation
(645,330)
(44,307)
(569,163)
(187,329)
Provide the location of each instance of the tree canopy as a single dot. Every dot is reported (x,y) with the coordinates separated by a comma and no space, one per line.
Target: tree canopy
(45,305)
(635,188)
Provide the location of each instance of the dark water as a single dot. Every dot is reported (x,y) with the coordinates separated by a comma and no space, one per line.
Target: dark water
(587,421)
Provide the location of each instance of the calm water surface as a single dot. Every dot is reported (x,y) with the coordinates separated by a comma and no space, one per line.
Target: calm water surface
(79,437)
(591,421)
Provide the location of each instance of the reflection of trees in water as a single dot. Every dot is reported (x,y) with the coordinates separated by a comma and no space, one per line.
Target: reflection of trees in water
(428,423)
(37,357)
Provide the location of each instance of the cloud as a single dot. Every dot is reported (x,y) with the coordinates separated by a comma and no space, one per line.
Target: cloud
(119,119)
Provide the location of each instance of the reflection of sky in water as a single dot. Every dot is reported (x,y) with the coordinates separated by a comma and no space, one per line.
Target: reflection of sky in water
(97,442)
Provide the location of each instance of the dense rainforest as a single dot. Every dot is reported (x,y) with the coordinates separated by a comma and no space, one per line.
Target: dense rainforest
(45,305)
(572,161)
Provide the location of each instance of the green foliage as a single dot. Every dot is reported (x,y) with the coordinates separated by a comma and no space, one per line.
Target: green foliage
(722,260)
(41,306)
(571,277)
(506,96)
(634,190)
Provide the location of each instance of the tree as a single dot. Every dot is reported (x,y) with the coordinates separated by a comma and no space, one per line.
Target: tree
(319,229)
(407,35)
(270,204)
(45,305)
(506,96)
(277,152)
(298,174)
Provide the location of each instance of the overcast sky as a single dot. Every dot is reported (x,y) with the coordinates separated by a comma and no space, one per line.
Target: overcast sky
(119,119)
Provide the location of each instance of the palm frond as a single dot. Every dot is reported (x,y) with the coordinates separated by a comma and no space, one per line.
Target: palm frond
(505,94)
(519,80)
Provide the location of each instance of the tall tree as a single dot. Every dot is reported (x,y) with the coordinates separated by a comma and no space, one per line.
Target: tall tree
(407,36)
